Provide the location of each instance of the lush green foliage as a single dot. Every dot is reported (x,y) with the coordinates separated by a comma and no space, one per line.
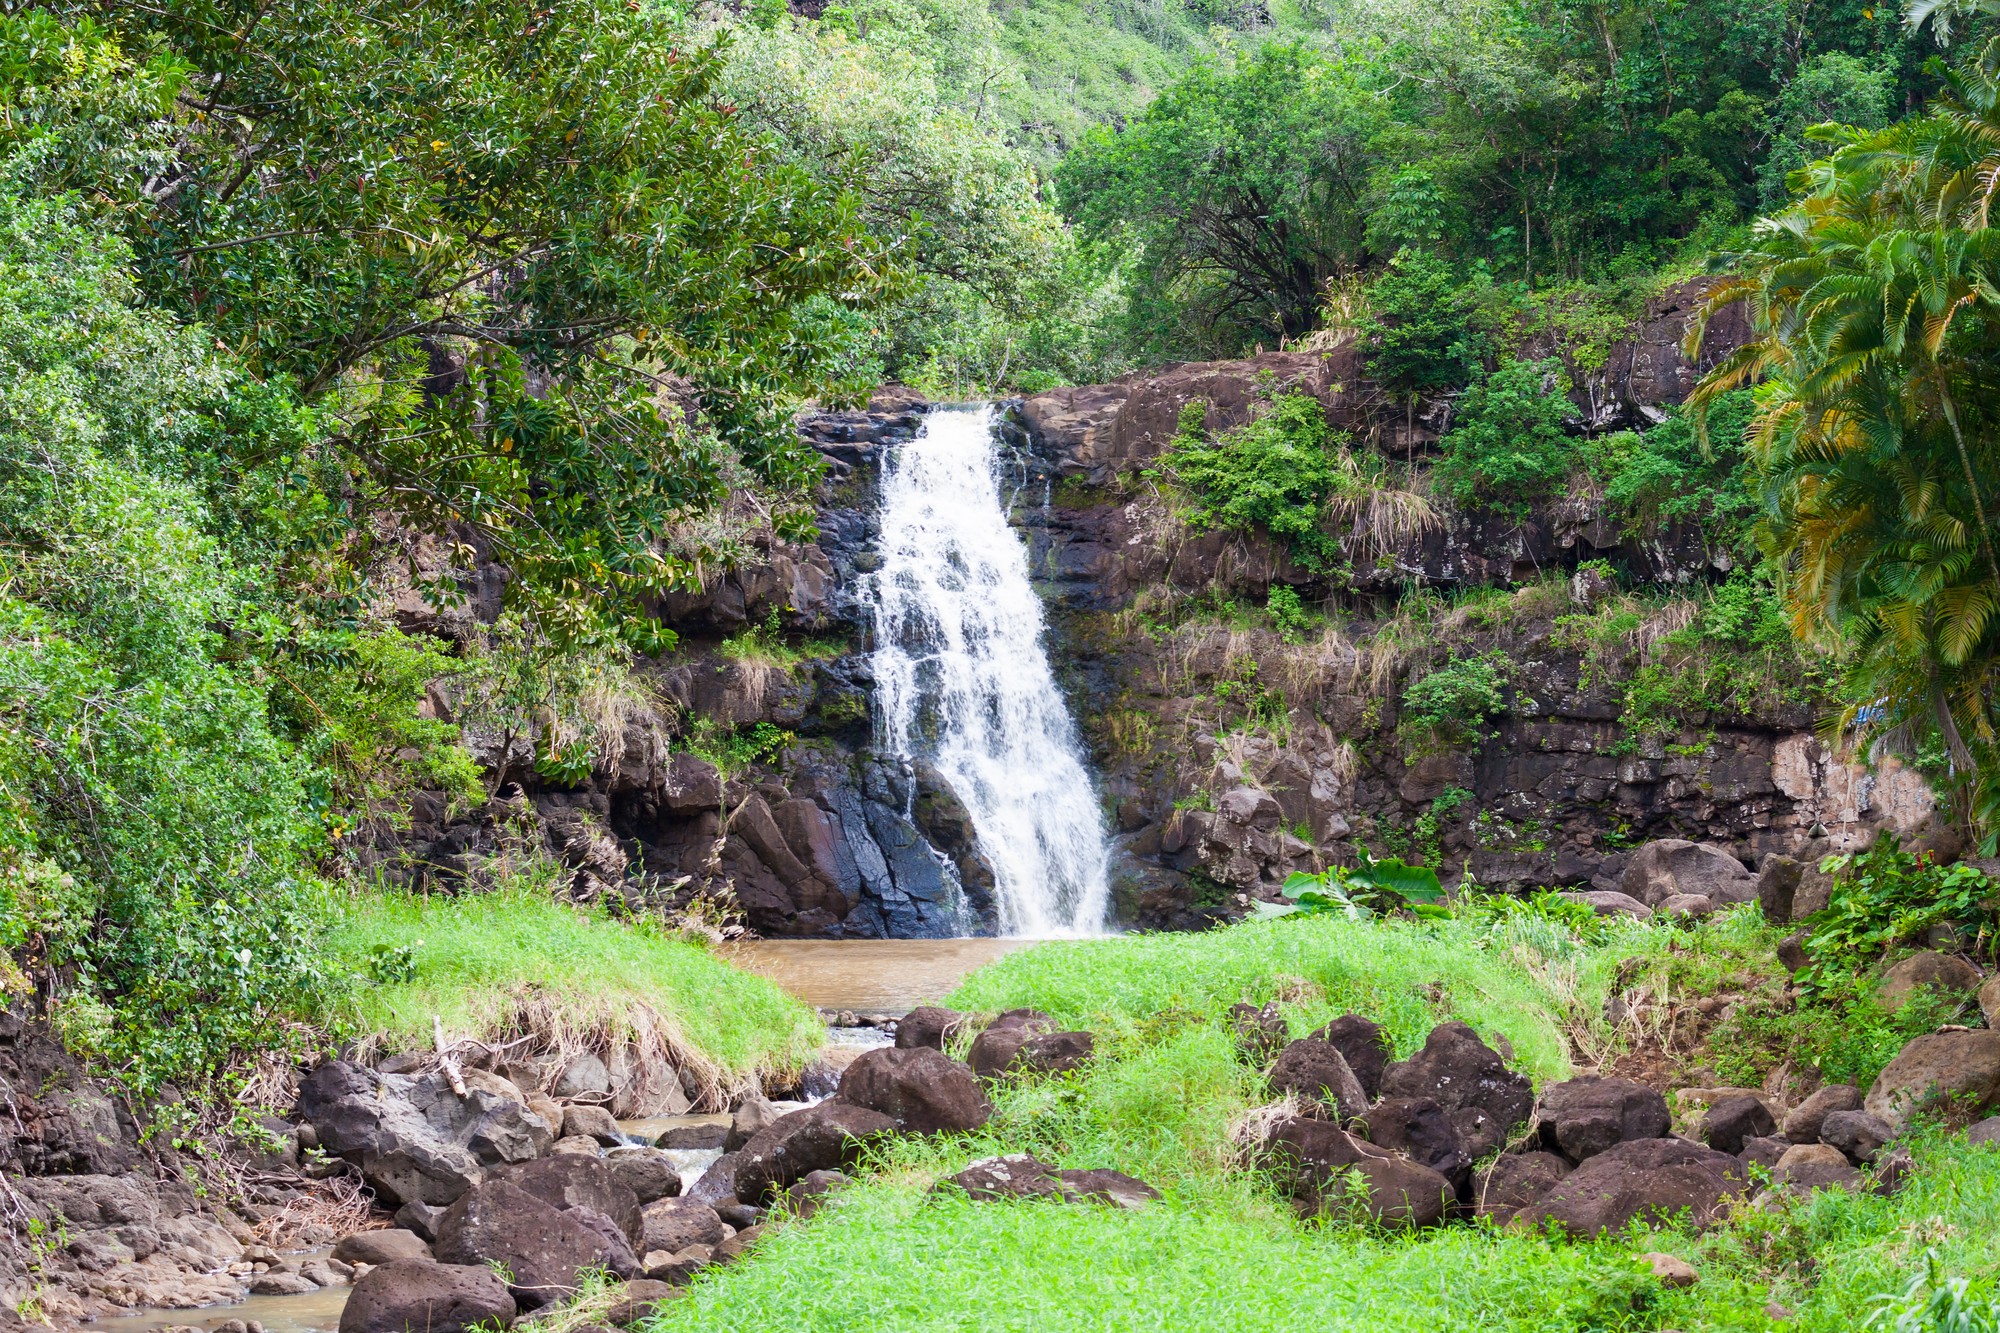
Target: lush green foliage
(1888,897)
(1276,472)
(1421,337)
(160,835)
(1507,445)
(1361,890)
(1450,704)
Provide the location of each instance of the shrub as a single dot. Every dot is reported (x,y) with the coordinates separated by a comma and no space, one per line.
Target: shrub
(1420,331)
(1447,706)
(1507,446)
(1275,472)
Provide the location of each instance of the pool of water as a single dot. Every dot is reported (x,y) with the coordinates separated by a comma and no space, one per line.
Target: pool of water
(869,976)
(310,1312)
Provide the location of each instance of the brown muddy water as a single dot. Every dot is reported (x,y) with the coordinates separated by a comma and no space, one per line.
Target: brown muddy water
(878,976)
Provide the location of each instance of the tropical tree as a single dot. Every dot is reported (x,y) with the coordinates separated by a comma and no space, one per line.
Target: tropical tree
(1874,302)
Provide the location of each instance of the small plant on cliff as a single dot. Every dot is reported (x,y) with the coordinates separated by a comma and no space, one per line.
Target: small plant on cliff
(1449,706)
(1289,616)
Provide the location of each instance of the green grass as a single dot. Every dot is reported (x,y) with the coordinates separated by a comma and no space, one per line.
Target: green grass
(497,964)
(1223,1253)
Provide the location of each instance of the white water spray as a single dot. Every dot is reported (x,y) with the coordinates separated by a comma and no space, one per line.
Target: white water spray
(961,674)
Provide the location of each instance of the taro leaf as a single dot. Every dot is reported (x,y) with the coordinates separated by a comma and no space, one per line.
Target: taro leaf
(1413,884)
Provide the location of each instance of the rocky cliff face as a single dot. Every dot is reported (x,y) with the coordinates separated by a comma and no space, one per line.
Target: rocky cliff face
(1228,757)
(1231,758)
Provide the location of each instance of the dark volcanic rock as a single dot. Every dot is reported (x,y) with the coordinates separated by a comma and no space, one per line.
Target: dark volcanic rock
(416,1294)
(928,1025)
(819,1138)
(543,1249)
(1516,1180)
(1658,1179)
(1313,1160)
(649,1173)
(919,1088)
(1023,1176)
(1418,1128)
(1022,1047)
(1803,1124)
(579,1182)
(1857,1134)
(1315,1071)
(381,1247)
(1734,1119)
(674,1224)
(1259,1033)
(1456,1069)
(1364,1044)
(1584,1116)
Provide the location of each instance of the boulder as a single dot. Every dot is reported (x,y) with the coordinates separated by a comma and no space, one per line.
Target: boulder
(1777,884)
(1314,1161)
(700,1138)
(1949,975)
(1732,1120)
(919,1088)
(1365,1045)
(1014,1176)
(1671,1270)
(1692,906)
(649,1173)
(1802,1178)
(592,1122)
(281,1284)
(1660,1180)
(1669,866)
(415,1294)
(1584,1116)
(577,1145)
(1250,807)
(1317,1073)
(1791,950)
(642,1299)
(1022,1176)
(419,1217)
(414,1138)
(1480,1133)
(809,1195)
(1259,1033)
(674,1224)
(1986,1133)
(928,1025)
(1812,1154)
(542,1248)
(1858,1135)
(1961,1067)
(381,1247)
(1418,1128)
(1764,1150)
(1105,1186)
(717,1185)
(583,1076)
(753,1115)
(1893,1169)
(1457,1070)
(1514,1181)
(579,1182)
(819,1138)
(1020,1048)
(618,1258)
(1802,1125)
(1609,902)
(1989,1001)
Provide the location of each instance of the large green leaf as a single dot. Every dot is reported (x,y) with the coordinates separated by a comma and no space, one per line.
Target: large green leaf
(1414,884)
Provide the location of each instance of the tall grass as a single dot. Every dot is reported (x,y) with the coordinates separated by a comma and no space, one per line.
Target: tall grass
(515,961)
(1222,1253)
(1406,979)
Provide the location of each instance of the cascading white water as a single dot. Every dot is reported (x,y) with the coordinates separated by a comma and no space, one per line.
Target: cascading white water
(962,677)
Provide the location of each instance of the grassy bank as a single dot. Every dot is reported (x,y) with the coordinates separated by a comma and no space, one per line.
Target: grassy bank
(1223,1253)
(498,965)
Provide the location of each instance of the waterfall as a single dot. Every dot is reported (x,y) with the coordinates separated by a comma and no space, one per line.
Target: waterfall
(962,677)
